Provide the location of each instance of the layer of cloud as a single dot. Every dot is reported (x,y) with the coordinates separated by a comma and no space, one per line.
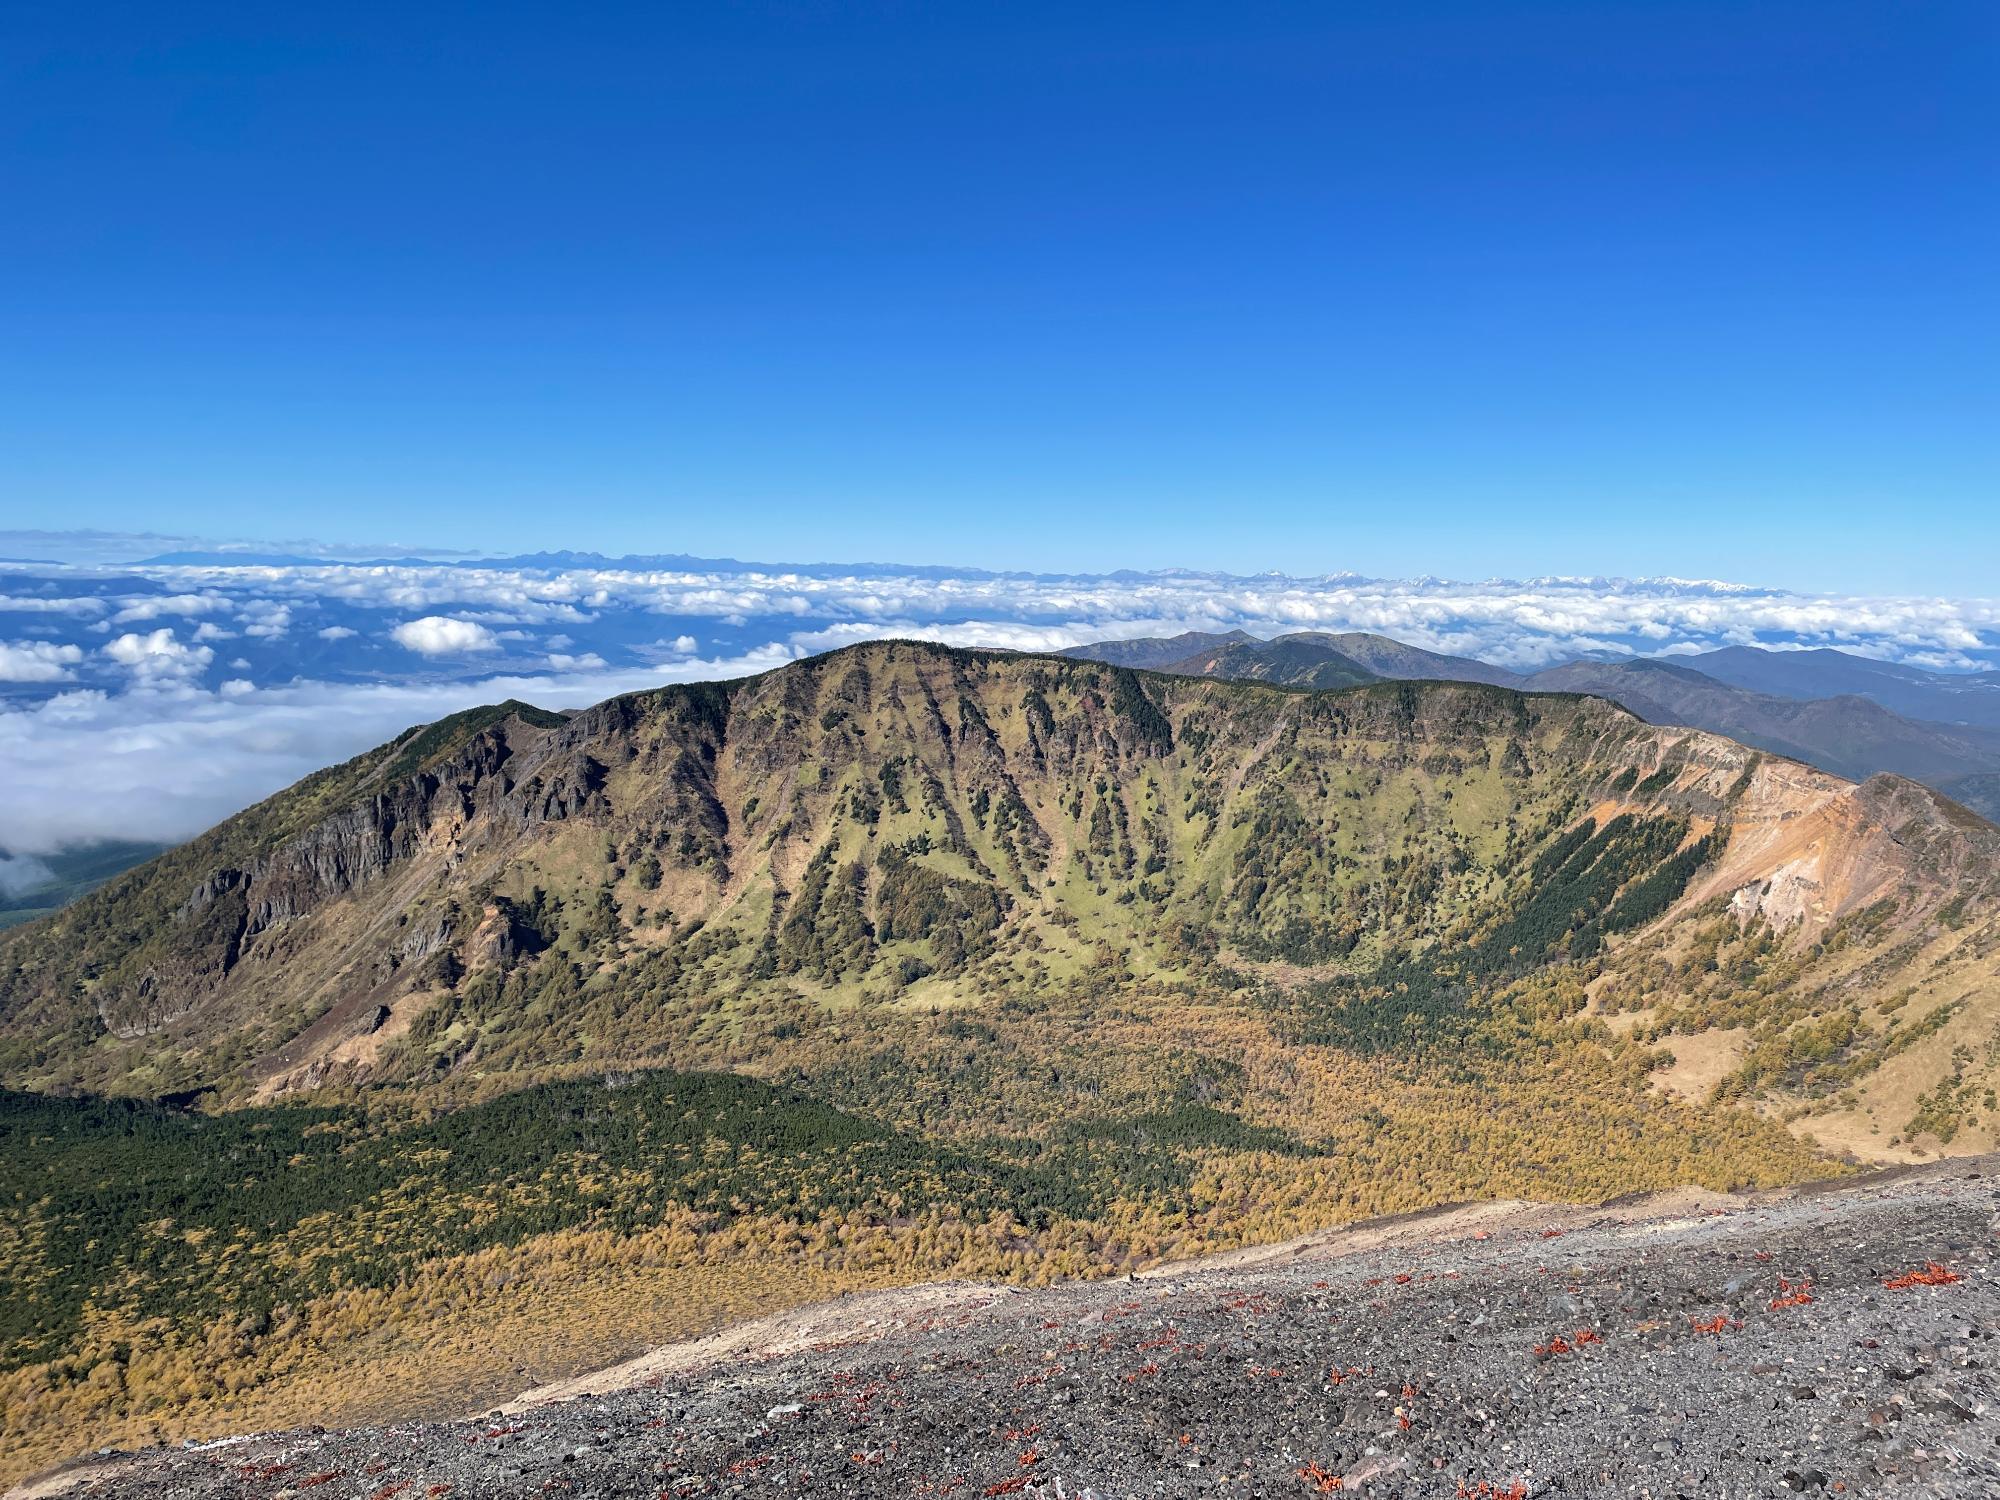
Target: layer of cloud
(1515,622)
(171,604)
(86,605)
(116,732)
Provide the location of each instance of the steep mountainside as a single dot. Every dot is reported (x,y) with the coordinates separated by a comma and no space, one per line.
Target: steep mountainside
(1037,967)
(913,826)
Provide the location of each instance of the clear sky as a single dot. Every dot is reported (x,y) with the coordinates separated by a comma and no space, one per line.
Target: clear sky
(1456,288)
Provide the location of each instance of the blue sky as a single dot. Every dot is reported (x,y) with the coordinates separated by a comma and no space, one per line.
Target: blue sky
(1464,289)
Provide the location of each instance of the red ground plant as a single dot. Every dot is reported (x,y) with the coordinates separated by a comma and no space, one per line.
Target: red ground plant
(1932,1274)
(1560,1345)
(1792,1293)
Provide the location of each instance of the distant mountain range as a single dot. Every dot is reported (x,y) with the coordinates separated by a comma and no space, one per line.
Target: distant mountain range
(672,562)
(1950,698)
(1846,714)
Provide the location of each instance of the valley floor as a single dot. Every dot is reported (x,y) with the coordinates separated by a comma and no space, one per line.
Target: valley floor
(1825,1340)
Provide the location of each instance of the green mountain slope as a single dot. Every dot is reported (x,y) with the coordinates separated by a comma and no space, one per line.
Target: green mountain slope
(896,824)
(887,821)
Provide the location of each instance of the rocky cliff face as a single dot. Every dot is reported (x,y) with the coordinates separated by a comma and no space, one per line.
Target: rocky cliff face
(907,821)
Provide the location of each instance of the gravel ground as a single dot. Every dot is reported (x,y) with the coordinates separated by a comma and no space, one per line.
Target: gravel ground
(1695,1346)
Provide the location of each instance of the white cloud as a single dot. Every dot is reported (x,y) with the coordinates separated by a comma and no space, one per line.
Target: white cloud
(172,604)
(265,619)
(29,604)
(589,661)
(440,635)
(337,633)
(1000,634)
(38,661)
(1523,623)
(158,659)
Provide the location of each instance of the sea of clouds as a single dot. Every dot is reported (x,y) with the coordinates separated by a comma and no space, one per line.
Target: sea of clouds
(149,700)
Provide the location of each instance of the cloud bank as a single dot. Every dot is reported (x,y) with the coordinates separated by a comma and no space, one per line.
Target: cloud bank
(150,701)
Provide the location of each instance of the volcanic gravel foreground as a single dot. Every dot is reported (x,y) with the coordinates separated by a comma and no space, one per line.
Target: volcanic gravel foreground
(1831,1340)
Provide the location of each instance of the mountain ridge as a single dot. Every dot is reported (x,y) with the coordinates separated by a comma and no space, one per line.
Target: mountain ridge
(1851,734)
(494,778)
